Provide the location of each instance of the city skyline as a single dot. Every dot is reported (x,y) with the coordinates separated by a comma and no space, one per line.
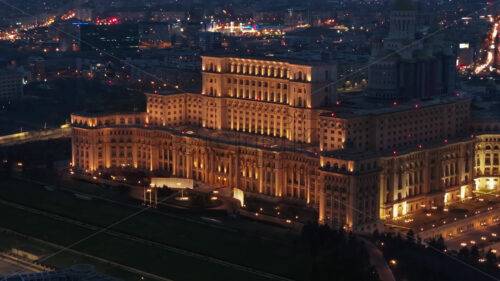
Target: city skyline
(356,140)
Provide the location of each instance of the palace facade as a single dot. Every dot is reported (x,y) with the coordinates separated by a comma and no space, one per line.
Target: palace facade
(275,129)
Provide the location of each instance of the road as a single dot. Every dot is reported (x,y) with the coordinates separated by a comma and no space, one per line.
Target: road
(8,267)
(483,238)
(378,261)
(34,136)
(491,50)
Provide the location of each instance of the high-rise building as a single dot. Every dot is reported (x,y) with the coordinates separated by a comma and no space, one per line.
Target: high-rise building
(120,36)
(11,86)
(84,13)
(209,40)
(409,64)
(465,56)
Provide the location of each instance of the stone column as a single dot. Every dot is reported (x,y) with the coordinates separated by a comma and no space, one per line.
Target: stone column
(174,159)
(205,166)
(308,187)
(352,208)
(383,194)
(189,164)
(260,169)
(322,202)
(278,171)
(213,167)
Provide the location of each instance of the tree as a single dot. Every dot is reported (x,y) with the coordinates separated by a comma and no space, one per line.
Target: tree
(474,253)
(464,253)
(491,258)
(410,237)
(438,243)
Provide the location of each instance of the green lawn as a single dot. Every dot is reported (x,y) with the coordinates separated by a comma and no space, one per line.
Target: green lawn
(282,258)
(64,259)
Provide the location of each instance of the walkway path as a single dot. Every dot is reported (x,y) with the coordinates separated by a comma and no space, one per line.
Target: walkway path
(378,261)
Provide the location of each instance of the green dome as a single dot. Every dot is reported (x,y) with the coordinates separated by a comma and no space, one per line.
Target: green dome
(403,5)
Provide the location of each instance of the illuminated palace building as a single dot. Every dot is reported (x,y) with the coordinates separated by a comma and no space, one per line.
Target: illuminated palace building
(276,130)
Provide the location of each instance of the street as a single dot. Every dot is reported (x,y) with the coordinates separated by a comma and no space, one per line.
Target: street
(486,238)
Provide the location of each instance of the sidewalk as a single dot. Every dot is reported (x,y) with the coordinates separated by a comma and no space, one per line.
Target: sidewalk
(378,261)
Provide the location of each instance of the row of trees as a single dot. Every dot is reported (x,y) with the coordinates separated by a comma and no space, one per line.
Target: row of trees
(336,254)
(37,158)
(414,260)
(411,260)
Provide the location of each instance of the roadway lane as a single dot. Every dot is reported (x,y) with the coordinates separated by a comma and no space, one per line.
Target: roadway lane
(34,136)
(377,260)
(8,267)
(483,238)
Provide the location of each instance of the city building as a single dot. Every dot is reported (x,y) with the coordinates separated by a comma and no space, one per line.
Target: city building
(109,37)
(297,16)
(209,40)
(407,64)
(11,86)
(155,32)
(276,128)
(37,69)
(465,55)
(84,13)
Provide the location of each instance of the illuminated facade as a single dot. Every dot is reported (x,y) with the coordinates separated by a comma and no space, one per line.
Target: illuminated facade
(275,129)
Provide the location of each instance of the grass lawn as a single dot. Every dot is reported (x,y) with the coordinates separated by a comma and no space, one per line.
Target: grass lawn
(282,258)
(64,259)
(124,251)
